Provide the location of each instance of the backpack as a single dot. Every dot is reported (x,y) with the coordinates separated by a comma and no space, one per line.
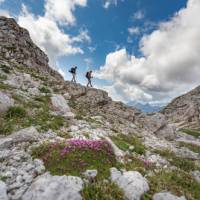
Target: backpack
(87,75)
(72,70)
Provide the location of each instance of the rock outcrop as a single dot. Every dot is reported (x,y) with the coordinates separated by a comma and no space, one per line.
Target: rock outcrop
(18,48)
(185,110)
(55,187)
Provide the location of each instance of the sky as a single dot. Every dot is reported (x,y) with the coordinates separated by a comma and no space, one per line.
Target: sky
(139,50)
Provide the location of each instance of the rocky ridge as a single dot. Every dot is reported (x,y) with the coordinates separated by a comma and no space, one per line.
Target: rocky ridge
(39,108)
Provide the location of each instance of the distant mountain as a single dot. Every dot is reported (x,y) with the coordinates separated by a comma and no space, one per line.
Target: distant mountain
(147,108)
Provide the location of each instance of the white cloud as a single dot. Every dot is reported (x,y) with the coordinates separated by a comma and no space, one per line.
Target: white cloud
(108,3)
(46,33)
(134,30)
(170,64)
(138,15)
(62,10)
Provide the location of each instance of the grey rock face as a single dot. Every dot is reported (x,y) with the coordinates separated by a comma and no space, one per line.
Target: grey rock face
(18,48)
(5,102)
(3,191)
(167,196)
(55,187)
(185,110)
(132,183)
(60,105)
(25,135)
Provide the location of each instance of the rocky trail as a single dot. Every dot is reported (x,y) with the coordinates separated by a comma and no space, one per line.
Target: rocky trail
(63,141)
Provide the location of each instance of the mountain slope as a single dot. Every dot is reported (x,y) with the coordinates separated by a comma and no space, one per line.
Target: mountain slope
(60,140)
(185,110)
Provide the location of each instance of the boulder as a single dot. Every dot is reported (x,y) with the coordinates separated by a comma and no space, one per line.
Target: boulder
(5,102)
(167,196)
(132,183)
(196,175)
(54,187)
(3,191)
(61,107)
(25,135)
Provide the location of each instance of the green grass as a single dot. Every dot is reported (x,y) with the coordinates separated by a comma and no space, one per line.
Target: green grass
(44,90)
(177,182)
(184,164)
(102,191)
(192,147)
(192,132)
(17,118)
(124,141)
(16,112)
(76,161)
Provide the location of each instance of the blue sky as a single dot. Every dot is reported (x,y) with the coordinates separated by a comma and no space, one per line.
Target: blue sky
(122,29)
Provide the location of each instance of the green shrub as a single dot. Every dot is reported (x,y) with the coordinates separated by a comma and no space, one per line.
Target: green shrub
(5,69)
(44,90)
(192,147)
(15,112)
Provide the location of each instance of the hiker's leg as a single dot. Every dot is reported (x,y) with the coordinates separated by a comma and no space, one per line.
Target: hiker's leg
(90,83)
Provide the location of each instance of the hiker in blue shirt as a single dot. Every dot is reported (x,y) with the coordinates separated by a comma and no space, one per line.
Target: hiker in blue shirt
(73,72)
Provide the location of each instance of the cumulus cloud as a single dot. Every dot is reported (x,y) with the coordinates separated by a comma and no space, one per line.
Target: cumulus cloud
(47,34)
(170,63)
(62,10)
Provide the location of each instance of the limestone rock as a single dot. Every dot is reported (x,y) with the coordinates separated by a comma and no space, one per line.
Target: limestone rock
(25,135)
(132,183)
(5,102)
(54,187)
(3,191)
(60,105)
(167,196)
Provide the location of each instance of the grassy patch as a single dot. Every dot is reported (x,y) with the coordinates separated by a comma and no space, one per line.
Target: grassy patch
(44,90)
(102,191)
(192,147)
(76,157)
(15,112)
(185,164)
(39,116)
(124,141)
(192,132)
(177,182)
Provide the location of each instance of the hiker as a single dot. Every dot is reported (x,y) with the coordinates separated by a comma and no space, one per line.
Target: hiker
(73,72)
(89,77)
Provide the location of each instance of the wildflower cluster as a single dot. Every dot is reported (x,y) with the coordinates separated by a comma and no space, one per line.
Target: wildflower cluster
(95,145)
